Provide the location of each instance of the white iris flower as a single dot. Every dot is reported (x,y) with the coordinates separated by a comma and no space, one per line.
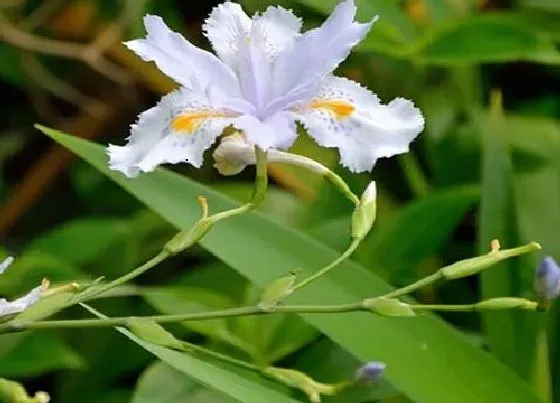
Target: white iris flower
(20,304)
(265,77)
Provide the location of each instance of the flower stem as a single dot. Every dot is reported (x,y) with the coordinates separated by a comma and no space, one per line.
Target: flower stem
(259,191)
(423,282)
(347,253)
(197,316)
(157,259)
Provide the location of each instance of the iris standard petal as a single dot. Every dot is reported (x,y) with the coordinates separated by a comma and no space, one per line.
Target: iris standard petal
(224,27)
(275,30)
(347,116)
(272,31)
(178,129)
(317,53)
(180,59)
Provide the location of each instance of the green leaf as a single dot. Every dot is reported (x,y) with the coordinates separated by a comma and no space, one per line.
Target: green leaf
(220,378)
(484,39)
(39,353)
(329,362)
(510,334)
(80,241)
(161,383)
(175,300)
(419,351)
(401,243)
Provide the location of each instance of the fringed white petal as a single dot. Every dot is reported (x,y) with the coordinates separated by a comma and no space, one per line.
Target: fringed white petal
(317,53)
(20,304)
(351,118)
(180,59)
(275,30)
(178,129)
(224,27)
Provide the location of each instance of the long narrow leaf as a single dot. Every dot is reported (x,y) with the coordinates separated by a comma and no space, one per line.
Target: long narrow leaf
(427,359)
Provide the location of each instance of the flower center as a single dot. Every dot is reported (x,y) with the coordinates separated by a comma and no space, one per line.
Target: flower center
(338,107)
(190,122)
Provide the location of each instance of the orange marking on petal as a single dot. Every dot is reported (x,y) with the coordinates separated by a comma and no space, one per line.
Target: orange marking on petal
(190,122)
(338,107)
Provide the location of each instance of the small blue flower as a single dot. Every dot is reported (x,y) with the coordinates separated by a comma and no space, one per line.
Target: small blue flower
(547,279)
(370,371)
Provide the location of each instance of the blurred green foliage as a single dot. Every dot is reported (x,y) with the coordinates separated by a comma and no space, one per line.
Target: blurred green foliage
(481,170)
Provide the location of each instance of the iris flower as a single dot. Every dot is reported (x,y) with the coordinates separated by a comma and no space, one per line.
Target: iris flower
(20,304)
(266,76)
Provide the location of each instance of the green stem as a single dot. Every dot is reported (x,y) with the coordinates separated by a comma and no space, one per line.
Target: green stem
(478,307)
(423,282)
(259,191)
(197,316)
(347,253)
(160,257)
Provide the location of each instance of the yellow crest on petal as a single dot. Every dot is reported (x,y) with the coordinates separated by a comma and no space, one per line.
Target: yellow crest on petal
(338,107)
(190,122)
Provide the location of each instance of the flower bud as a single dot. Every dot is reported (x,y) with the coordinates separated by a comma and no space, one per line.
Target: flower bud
(547,279)
(365,213)
(495,304)
(187,238)
(370,371)
(303,382)
(153,332)
(468,267)
(277,291)
(233,155)
(388,307)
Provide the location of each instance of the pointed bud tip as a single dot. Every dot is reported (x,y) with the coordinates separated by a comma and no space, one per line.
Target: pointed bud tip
(370,194)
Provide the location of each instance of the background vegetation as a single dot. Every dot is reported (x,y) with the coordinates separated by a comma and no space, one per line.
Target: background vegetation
(485,74)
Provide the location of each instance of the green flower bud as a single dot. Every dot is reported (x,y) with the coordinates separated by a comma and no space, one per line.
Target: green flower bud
(153,332)
(388,307)
(468,267)
(303,382)
(277,291)
(365,213)
(188,238)
(496,304)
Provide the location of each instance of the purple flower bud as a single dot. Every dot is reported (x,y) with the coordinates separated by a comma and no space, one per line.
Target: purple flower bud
(547,279)
(370,371)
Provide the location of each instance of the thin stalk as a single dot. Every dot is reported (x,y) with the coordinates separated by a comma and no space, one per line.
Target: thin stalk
(160,257)
(423,282)
(197,316)
(347,253)
(259,191)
